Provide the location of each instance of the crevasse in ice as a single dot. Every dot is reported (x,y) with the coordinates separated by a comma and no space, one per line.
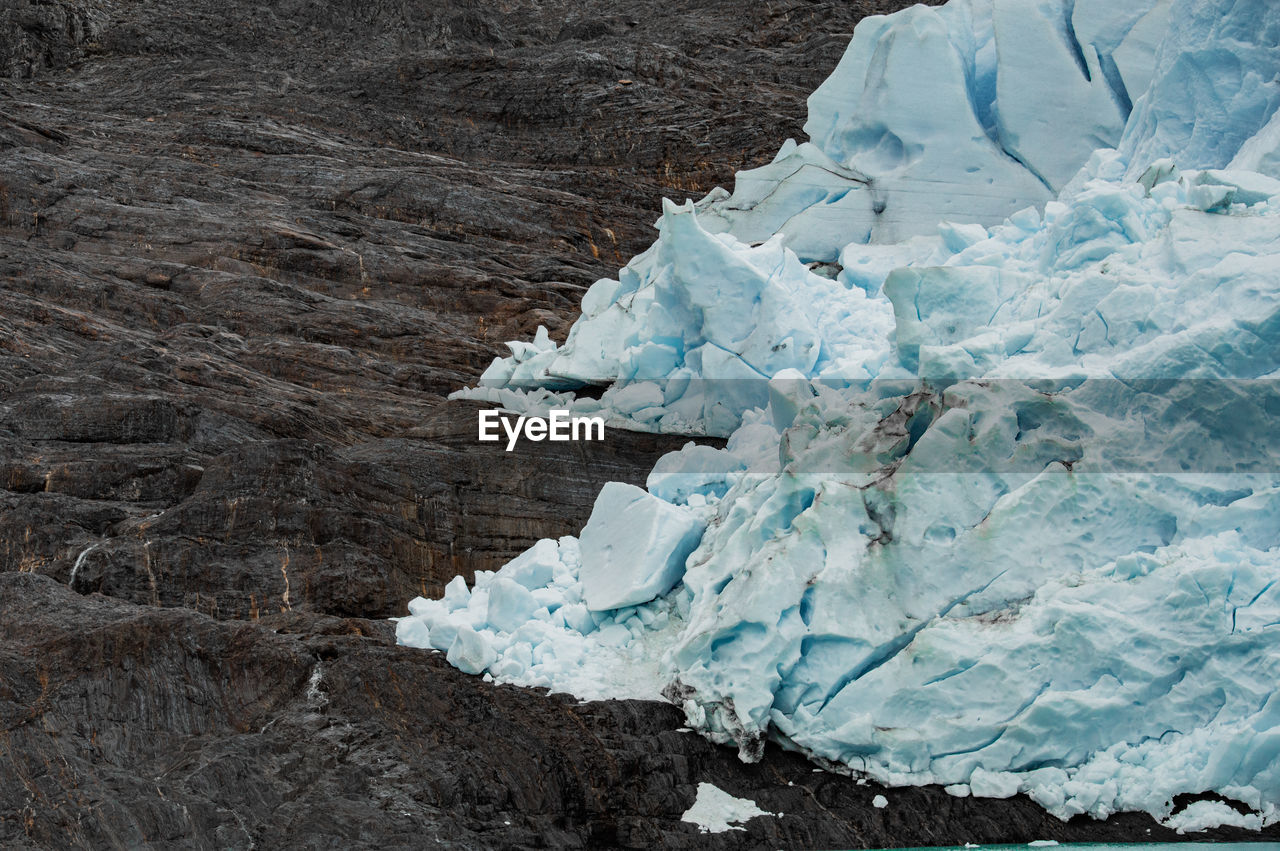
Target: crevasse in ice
(996,352)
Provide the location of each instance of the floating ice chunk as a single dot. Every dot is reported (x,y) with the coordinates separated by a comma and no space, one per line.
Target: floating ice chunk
(634,547)
(716,811)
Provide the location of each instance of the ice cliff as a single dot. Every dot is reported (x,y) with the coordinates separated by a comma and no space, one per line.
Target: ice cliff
(996,353)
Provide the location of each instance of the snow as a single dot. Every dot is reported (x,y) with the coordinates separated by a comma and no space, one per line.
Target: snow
(529,623)
(999,508)
(716,811)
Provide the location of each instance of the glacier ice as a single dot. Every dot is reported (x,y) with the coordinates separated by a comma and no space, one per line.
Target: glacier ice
(999,507)
(938,113)
(1213,86)
(1261,152)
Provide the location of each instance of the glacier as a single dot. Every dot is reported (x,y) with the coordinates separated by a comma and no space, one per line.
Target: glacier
(999,504)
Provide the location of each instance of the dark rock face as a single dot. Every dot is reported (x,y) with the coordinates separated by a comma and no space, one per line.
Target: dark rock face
(245,252)
(281,524)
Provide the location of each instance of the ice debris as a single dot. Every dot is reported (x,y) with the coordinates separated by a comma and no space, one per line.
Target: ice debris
(1000,505)
(1203,815)
(529,623)
(634,547)
(715,810)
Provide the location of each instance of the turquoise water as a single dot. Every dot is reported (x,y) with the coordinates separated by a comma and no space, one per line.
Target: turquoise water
(1100,846)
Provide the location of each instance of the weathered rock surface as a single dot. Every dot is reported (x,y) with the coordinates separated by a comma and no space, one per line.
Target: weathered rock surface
(245,251)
